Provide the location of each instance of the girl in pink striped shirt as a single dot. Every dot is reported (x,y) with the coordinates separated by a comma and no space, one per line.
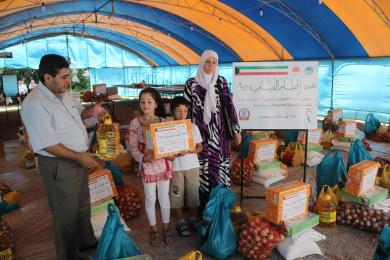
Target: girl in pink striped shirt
(155,173)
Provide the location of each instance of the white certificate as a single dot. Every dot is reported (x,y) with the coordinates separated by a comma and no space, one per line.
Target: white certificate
(172,139)
(350,129)
(314,137)
(100,188)
(266,152)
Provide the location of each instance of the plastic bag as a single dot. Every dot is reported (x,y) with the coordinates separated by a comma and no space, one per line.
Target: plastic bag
(371,125)
(331,170)
(221,240)
(115,242)
(382,251)
(290,136)
(193,255)
(116,173)
(385,178)
(358,153)
(294,154)
(6,208)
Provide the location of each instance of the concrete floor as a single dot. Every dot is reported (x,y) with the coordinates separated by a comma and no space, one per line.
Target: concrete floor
(32,223)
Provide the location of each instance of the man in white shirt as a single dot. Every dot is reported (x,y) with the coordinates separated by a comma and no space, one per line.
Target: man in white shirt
(57,134)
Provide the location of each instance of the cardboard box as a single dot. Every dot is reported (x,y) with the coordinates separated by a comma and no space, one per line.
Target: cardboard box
(101,186)
(301,224)
(263,150)
(361,177)
(112,91)
(169,138)
(101,207)
(368,198)
(287,201)
(99,89)
(347,128)
(334,115)
(314,137)
(316,148)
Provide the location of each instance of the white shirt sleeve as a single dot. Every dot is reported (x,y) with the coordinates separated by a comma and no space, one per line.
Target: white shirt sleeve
(196,133)
(39,128)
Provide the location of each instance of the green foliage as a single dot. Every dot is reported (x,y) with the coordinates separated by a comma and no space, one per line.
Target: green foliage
(82,82)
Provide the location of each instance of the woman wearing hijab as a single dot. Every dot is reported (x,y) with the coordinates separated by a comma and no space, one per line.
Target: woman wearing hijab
(202,92)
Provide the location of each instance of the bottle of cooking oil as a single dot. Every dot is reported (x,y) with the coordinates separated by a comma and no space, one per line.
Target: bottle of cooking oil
(5,247)
(326,206)
(29,158)
(238,218)
(108,140)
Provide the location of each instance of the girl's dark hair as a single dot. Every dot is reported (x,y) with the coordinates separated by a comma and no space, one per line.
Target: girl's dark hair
(159,111)
(177,101)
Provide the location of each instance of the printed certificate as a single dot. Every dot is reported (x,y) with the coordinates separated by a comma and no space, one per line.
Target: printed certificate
(169,138)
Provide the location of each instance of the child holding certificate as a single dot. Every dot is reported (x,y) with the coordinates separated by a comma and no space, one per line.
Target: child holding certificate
(155,173)
(185,173)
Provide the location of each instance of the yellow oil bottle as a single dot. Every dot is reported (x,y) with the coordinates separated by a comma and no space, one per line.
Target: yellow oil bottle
(326,206)
(5,247)
(108,140)
(238,218)
(29,158)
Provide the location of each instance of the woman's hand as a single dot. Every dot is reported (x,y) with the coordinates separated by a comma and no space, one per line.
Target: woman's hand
(237,139)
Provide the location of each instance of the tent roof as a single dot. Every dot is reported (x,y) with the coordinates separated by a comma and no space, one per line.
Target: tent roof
(175,32)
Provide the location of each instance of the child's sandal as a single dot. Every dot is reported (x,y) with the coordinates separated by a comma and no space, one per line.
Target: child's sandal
(154,239)
(183,229)
(168,236)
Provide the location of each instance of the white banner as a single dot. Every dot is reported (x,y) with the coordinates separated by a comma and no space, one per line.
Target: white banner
(276,95)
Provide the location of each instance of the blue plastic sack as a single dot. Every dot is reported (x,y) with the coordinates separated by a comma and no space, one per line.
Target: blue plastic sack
(371,125)
(382,251)
(114,242)
(221,240)
(244,149)
(331,170)
(290,136)
(358,153)
(116,173)
(5,207)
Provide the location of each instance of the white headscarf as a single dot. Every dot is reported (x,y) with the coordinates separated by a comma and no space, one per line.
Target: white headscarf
(207,81)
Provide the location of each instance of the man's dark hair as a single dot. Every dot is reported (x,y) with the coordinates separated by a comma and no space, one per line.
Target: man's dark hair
(51,64)
(177,101)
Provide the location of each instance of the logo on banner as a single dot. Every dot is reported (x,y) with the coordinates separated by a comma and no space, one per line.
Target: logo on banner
(309,70)
(295,70)
(243,114)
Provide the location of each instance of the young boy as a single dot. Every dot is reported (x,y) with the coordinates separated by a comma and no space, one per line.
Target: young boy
(185,181)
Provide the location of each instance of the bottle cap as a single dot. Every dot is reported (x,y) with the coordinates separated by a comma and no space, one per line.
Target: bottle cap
(236,209)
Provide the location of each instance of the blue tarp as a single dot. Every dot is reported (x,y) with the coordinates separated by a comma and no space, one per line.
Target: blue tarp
(360,86)
(82,52)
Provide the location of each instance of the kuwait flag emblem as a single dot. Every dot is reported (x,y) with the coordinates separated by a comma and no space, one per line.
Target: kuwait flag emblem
(261,70)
